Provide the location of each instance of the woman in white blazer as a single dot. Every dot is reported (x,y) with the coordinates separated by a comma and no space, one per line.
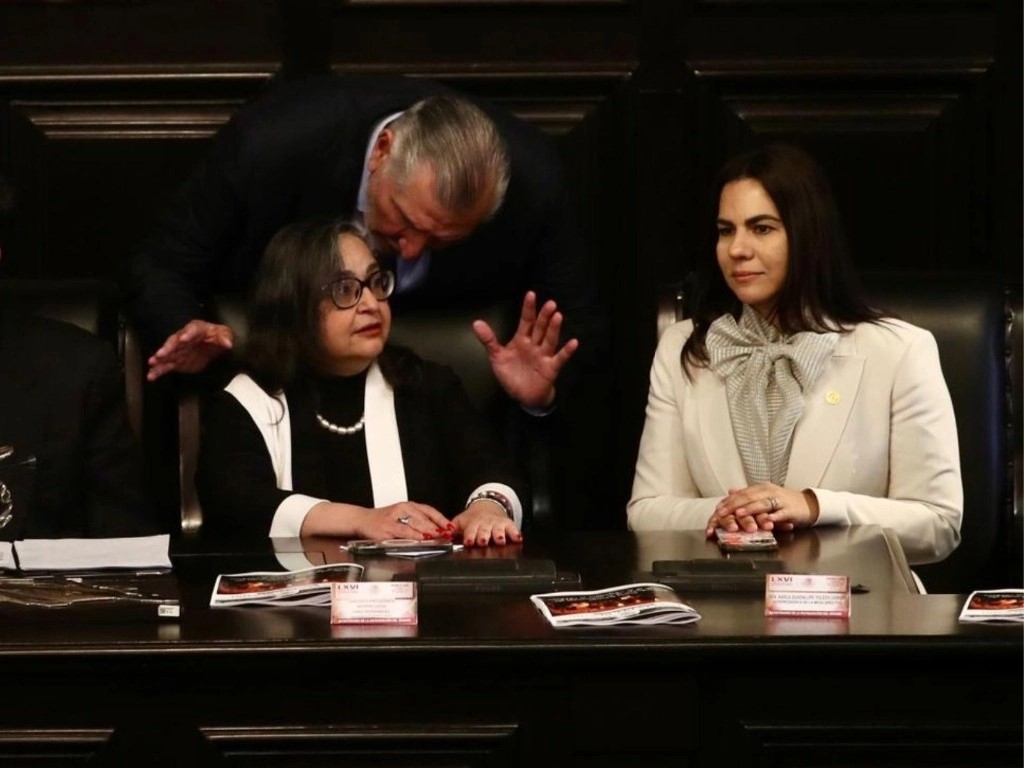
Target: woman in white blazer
(787,401)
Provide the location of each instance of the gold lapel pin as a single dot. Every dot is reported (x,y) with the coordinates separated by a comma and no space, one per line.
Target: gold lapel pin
(833,397)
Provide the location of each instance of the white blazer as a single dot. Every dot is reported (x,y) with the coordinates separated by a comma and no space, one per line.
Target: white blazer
(876,444)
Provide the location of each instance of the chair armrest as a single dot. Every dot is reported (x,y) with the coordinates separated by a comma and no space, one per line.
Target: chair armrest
(1014,376)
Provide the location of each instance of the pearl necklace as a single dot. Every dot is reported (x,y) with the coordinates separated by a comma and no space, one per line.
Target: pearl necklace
(338,429)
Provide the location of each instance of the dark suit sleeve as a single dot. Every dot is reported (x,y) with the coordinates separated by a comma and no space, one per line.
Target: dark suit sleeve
(115,493)
(176,267)
(235,478)
(559,268)
(295,151)
(472,452)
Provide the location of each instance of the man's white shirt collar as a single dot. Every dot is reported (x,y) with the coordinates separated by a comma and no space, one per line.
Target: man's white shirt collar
(361,197)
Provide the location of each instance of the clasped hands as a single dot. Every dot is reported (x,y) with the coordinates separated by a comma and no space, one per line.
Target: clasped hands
(765,507)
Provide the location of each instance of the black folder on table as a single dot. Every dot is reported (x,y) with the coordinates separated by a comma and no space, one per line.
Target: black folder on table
(715,574)
(493,575)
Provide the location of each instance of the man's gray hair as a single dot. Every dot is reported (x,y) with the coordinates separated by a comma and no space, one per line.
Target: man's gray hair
(462,146)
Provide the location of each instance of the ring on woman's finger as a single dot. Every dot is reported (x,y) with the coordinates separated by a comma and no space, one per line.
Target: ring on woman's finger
(773,503)
(404,520)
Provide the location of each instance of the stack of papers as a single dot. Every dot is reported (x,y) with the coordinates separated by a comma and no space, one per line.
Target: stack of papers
(626,604)
(994,605)
(133,553)
(311,586)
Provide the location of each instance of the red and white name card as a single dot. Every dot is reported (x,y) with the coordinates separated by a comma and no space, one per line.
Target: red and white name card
(807,595)
(373,602)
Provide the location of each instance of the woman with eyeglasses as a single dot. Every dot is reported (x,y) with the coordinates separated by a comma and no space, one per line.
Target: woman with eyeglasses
(329,430)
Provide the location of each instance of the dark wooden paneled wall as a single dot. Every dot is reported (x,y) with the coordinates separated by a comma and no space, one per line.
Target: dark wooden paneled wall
(913,107)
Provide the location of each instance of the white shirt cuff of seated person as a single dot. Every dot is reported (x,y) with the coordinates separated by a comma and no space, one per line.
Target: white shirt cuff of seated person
(290,514)
(508,493)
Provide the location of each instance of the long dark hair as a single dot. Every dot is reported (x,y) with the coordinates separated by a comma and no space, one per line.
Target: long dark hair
(283,341)
(821,291)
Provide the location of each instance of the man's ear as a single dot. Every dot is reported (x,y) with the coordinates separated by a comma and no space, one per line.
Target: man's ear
(381,150)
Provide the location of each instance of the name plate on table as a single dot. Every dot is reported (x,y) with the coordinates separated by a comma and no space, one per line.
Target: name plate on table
(807,595)
(373,602)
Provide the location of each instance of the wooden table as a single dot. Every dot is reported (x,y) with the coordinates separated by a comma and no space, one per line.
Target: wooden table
(484,681)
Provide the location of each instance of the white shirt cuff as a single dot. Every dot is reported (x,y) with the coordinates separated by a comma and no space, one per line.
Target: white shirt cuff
(508,493)
(290,514)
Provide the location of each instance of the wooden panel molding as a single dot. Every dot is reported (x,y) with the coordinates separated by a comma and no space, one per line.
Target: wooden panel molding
(377,744)
(51,746)
(892,744)
(853,68)
(125,120)
(818,113)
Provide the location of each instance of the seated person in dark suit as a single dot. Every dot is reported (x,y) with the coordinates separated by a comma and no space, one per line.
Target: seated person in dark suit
(330,430)
(62,402)
(468,199)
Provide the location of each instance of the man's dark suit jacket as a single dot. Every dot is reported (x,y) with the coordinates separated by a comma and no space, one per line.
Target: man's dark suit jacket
(299,151)
(62,400)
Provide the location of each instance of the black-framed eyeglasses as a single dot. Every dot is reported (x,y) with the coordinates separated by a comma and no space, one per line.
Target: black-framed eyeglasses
(347,291)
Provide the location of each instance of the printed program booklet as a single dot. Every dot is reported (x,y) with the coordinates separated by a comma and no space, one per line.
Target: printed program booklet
(626,604)
(994,605)
(311,586)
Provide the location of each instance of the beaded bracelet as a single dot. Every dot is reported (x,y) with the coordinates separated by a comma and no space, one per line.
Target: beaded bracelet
(497,498)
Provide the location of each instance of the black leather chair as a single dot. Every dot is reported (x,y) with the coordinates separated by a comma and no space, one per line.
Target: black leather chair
(971,320)
(442,336)
(1015,367)
(977,326)
(92,305)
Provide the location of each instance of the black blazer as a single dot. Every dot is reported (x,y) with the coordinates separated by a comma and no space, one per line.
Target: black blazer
(62,400)
(298,151)
(447,451)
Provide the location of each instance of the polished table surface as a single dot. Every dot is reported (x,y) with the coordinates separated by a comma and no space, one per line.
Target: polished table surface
(484,680)
(890,611)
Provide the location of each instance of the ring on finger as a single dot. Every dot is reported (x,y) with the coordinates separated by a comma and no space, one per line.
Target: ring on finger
(773,503)
(404,520)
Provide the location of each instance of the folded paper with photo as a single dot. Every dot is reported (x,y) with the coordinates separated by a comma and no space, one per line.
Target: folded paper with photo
(640,603)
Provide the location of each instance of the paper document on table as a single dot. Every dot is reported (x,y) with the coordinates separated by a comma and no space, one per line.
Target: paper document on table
(994,605)
(7,561)
(136,552)
(309,587)
(625,604)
